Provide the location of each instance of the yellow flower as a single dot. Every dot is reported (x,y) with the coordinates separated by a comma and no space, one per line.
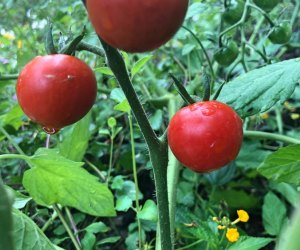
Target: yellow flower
(19,44)
(220,227)
(8,36)
(232,234)
(243,215)
(264,115)
(295,116)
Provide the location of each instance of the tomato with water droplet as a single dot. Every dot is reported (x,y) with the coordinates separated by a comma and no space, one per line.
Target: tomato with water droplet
(56,90)
(136,25)
(205,136)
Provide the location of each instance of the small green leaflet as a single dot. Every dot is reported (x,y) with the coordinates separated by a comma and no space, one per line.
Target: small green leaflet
(55,179)
(283,165)
(27,235)
(249,243)
(260,89)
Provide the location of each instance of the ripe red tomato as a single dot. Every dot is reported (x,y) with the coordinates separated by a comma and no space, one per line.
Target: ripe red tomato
(136,25)
(205,136)
(56,90)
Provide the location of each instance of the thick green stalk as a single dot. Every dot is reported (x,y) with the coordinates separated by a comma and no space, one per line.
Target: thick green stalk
(173,174)
(6,228)
(158,150)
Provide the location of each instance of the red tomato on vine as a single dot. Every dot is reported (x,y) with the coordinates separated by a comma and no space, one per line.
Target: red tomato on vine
(205,136)
(56,90)
(135,25)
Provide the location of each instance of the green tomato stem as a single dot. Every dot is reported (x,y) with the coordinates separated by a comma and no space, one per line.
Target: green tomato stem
(191,245)
(9,77)
(73,225)
(173,175)
(182,91)
(14,156)
(66,226)
(270,136)
(136,184)
(157,149)
(265,14)
(110,157)
(11,140)
(204,51)
(91,48)
(241,21)
(6,228)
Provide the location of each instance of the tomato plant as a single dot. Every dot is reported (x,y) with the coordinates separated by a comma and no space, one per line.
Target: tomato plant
(136,26)
(281,33)
(56,90)
(227,54)
(266,5)
(205,136)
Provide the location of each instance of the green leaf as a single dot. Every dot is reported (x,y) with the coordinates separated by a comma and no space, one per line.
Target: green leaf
(97,227)
(156,120)
(117,95)
(27,235)
(137,67)
(112,239)
(149,211)
(117,183)
(274,214)
(222,176)
(112,122)
(123,106)
(55,179)
(187,49)
(20,200)
(250,243)
(126,58)
(185,194)
(251,155)
(123,203)
(75,139)
(88,241)
(235,199)
(288,191)
(13,117)
(289,239)
(105,71)
(283,165)
(260,89)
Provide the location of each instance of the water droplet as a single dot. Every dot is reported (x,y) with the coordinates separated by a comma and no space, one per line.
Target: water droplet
(51,131)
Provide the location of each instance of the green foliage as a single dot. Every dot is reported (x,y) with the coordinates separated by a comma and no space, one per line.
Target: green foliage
(283,165)
(250,243)
(260,89)
(262,85)
(274,214)
(27,235)
(70,184)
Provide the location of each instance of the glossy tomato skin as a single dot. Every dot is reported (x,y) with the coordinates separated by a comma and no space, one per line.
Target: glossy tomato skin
(135,25)
(205,136)
(56,90)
